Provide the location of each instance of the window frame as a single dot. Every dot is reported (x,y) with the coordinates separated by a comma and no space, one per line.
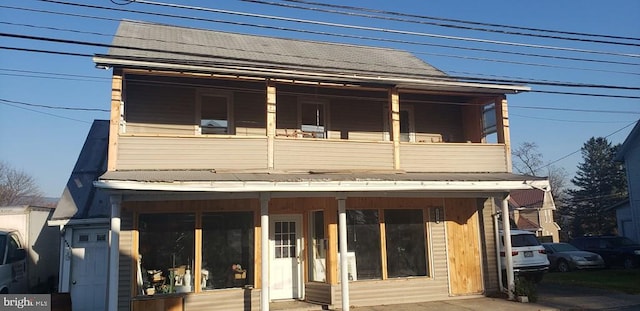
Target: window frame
(228,96)
(325,115)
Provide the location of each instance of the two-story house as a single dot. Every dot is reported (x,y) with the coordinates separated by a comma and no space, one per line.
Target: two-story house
(244,170)
(628,211)
(532,210)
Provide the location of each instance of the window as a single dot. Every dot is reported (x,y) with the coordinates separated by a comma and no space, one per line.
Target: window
(407,131)
(166,245)
(227,249)
(317,248)
(313,119)
(215,112)
(406,243)
(363,238)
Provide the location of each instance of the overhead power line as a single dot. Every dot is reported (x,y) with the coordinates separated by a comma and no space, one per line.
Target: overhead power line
(359,38)
(377,29)
(465,21)
(321,23)
(422,22)
(52,107)
(277,64)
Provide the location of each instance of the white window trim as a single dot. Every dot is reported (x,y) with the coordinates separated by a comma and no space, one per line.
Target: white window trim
(231,129)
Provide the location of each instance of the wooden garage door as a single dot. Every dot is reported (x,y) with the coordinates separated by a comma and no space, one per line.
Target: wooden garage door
(463,245)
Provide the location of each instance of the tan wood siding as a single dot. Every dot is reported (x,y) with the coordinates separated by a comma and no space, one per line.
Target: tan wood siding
(318,293)
(445,120)
(224,300)
(126,261)
(160,110)
(318,154)
(356,119)
(396,291)
(465,268)
(158,153)
(464,158)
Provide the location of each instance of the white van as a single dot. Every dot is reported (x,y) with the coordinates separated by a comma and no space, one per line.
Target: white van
(13,263)
(529,256)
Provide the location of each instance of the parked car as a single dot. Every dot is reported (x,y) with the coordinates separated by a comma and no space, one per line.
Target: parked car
(615,250)
(565,257)
(12,263)
(529,256)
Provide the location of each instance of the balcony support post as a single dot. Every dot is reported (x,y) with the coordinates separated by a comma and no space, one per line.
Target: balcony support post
(271,123)
(394,120)
(502,126)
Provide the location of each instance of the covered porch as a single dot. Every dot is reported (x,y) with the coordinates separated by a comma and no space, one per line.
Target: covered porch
(310,219)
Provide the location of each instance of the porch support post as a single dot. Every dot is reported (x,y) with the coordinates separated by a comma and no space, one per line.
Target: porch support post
(114,253)
(506,233)
(502,127)
(344,271)
(264,242)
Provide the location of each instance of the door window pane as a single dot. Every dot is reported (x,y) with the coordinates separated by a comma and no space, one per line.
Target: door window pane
(285,238)
(227,250)
(406,243)
(167,250)
(363,238)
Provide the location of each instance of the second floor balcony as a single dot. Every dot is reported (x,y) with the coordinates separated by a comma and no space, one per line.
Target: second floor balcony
(186,122)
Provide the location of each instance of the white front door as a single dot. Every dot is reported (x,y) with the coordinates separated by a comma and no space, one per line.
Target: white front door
(89,269)
(285,276)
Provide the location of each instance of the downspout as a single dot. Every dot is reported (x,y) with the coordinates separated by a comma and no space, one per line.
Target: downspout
(506,233)
(497,238)
(114,253)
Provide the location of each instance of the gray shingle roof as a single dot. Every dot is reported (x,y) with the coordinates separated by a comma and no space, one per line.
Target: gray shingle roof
(141,40)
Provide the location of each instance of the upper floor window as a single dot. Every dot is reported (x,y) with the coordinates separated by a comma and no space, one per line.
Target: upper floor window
(215,114)
(407,133)
(312,119)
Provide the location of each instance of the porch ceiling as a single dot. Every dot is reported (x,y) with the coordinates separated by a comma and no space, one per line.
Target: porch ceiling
(211,181)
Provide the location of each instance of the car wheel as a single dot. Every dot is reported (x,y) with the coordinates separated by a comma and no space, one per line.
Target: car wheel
(563,266)
(628,263)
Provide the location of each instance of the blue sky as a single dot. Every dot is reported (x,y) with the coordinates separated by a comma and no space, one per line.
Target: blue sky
(45,142)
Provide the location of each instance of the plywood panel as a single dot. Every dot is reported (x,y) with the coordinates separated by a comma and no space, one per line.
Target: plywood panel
(464,158)
(465,266)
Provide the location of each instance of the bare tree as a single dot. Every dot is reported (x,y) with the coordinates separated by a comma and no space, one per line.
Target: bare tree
(18,188)
(528,160)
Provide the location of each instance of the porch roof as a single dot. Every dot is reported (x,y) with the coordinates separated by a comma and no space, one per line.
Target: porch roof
(212,181)
(143,45)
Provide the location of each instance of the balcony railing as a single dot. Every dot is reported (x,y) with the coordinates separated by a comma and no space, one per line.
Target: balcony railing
(295,154)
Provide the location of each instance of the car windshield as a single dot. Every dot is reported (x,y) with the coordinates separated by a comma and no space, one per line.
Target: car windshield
(564,247)
(521,240)
(622,241)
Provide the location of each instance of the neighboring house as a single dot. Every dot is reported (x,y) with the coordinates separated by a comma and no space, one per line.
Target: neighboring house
(40,243)
(532,210)
(239,167)
(82,216)
(628,211)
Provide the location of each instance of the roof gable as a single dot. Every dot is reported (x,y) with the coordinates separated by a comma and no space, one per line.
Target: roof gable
(633,140)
